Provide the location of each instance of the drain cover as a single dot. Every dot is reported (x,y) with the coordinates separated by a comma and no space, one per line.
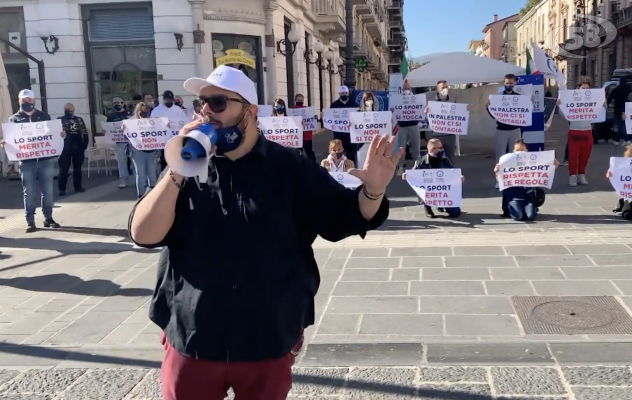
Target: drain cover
(572,315)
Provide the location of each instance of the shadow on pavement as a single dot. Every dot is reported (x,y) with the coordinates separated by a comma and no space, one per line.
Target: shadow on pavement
(94,231)
(69,284)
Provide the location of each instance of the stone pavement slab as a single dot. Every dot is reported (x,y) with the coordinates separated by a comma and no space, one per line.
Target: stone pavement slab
(429,383)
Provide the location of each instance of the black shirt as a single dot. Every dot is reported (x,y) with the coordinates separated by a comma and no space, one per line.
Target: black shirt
(237,279)
(502,126)
(76,133)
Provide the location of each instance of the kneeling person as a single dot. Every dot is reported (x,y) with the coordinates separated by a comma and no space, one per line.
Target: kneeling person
(436,159)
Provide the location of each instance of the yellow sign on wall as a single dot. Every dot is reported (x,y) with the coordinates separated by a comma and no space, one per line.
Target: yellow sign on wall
(235,56)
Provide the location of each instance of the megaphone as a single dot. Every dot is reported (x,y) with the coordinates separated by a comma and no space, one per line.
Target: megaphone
(188,155)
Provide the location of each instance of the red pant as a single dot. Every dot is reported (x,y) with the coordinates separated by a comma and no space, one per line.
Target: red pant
(185,378)
(579,147)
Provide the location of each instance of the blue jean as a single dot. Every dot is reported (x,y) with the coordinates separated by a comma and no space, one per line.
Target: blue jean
(121,159)
(38,182)
(621,131)
(521,210)
(145,168)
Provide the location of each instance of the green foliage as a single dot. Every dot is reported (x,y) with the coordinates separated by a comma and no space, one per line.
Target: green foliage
(527,7)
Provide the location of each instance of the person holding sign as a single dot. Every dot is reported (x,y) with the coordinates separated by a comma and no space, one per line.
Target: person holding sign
(123,149)
(622,188)
(447,139)
(238,248)
(619,96)
(436,159)
(37,174)
(344,101)
(308,135)
(336,161)
(75,145)
(145,161)
(579,142)
(408,133)
(279,109)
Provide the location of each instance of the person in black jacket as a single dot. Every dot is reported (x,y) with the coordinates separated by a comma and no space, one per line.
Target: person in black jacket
(122,149)
(436,159)
(75,145)
(344,101)
(620,95)
(37,174)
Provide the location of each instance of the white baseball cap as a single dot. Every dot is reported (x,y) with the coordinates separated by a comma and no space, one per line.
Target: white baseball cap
(26,94)
(343,89)
(227,78)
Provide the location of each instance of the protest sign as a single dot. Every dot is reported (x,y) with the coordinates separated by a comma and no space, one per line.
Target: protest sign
(526,169)
(523,90)
(346,180)
(175,125)
(307,114)
(511,109)
(113,132)
(583,105)
(148,133)
(408,107)
(365,125)
(621,178)
(33,140)
(444,117)
(628,118)
(264,110)
(437,187)
(337,119)
(286,131)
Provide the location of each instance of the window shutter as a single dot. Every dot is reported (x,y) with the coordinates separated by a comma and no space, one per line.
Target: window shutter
(122,24)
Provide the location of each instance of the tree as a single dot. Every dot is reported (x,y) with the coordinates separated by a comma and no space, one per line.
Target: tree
(527,7)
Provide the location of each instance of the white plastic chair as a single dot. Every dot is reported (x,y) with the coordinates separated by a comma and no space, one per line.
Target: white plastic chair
(100,152)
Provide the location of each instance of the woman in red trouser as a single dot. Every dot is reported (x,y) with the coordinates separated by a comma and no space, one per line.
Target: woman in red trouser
(580,142)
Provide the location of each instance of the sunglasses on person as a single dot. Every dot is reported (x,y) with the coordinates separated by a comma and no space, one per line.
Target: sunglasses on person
(218,103)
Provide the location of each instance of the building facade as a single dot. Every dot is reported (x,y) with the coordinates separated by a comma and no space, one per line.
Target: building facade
(96,50)
(510,42)
(493,40)
(475,47)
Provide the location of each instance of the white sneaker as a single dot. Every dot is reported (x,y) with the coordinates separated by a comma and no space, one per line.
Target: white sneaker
(496,185)
(610,141)
(572,180)
(122,185)
(601,141)
(400,171)
(581,179)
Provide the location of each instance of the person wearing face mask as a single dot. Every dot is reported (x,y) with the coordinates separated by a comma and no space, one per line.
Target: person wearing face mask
(448,139)
(37,174)
(505,134)
(279,109)
(123,149)
(344,101)
(336,161)
(145,161)
(180,103)
(75,145)
(308,149)
(241,301)
(149,101)
(521,203)
(170,110)
(436,159)
(408,133)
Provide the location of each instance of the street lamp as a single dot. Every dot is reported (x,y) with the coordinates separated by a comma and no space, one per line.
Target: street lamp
(282,45)
(338,66)
(45,35)
(318,48)
(178,33)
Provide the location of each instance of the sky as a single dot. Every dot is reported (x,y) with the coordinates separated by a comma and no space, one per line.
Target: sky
(435,26)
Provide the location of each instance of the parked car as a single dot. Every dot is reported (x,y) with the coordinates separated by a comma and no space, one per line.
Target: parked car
(605,130)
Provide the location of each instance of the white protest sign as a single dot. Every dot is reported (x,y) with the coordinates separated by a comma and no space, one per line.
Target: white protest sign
(628,118)
(526,169)
(365,125)
(346,180)
(148,133)
(286,131)
(524,90)
(621,179)
(395,83)
(264,110)
(175,125)
(408,107)
(583,105)
(444,117)
(307,114)
(113,132)
(337,119)
(437,187)
(511,109)
(33,140)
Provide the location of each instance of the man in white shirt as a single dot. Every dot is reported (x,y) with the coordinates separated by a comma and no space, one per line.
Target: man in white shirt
(177,118)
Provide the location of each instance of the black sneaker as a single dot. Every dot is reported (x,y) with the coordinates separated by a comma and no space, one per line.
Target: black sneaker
(62,192)
(619,207)
(505,215)
(80,190)
(441,209)
(429,213)
(30,227)
(50,223)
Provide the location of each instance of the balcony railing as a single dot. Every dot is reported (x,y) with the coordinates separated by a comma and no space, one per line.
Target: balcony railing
(328,7)
(622,18)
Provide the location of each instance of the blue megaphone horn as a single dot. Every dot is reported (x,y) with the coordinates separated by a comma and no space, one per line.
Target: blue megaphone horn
(188,155)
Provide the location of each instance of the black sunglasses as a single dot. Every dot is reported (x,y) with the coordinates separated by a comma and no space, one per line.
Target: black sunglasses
(217,104)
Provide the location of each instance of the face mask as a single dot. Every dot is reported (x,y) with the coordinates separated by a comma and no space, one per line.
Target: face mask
(337,155)
(27,107)
(179,104)
(299,103)
(279,109)
(118,108)
(444,92)
(368,103)
(229,138)
(68,113)
(156,103)
(509,88)
(143,114)
(407,92)
(438,154)
(169,104)
(344,98)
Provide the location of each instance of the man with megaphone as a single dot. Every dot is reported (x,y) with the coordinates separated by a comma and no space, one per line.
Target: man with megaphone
(237,276)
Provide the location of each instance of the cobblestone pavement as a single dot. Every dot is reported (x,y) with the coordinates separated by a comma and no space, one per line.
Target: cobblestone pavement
(429,383)
(520,305)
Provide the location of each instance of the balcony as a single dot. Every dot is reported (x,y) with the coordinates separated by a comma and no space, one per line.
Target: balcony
(395,23)
(375,29)
(330,15)
(359,2)
(394,5)
(621,18)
